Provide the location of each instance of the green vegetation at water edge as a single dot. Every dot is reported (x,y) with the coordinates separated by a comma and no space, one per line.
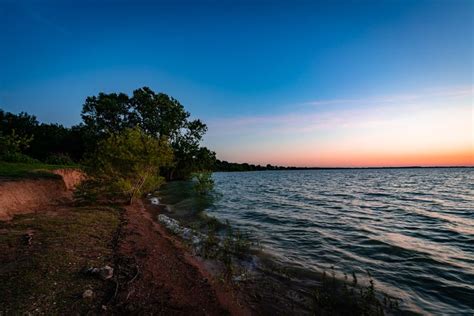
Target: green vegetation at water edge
(203,182)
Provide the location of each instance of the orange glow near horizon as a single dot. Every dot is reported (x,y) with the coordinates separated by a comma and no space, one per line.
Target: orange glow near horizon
(434,131)
(456,158)
(347,159)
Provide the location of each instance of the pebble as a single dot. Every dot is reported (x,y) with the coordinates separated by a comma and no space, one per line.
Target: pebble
(87,294)
(155,201)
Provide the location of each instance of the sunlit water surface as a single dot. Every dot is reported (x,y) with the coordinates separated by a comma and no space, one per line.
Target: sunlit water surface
(412,229)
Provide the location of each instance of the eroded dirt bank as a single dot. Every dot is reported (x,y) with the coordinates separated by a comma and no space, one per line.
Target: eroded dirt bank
(71,177)
(166,279)
(31,195)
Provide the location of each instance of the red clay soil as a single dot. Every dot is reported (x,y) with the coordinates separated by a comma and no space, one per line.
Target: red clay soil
(33,195)
(167,279)
(28,196)
(71,177)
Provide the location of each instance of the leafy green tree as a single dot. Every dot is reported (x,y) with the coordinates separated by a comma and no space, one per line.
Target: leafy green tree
(23,123)
(107,113)
(158,115)
(127,163)
(49,139)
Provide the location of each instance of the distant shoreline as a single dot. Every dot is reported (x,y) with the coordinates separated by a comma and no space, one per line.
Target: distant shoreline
(352,168)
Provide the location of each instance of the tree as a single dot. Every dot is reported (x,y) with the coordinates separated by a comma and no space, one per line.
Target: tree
(127,163)
(12,147)
(23,123)
(158,115)
(107,113)
(47,139)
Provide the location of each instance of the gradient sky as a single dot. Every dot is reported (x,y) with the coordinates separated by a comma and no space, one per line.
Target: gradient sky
(344,83)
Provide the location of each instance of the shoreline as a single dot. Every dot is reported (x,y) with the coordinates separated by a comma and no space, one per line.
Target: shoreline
(350,168)
(270,287)
(168,270)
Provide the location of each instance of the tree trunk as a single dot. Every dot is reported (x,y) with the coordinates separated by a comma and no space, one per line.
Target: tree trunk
(137,188)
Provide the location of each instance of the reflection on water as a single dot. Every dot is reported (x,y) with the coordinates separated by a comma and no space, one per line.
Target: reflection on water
(413,229)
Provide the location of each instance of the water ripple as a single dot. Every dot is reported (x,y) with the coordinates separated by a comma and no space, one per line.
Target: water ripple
(412,228)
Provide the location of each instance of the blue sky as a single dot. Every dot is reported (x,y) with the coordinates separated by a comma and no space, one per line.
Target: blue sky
(241,60)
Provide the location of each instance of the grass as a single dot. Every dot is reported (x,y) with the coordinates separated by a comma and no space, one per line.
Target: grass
(29,170)
(223,243)
(44,277)
(343,297)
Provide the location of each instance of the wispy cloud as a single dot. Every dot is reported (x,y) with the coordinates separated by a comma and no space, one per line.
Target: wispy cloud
(364,112)
(437,122)
(440,92)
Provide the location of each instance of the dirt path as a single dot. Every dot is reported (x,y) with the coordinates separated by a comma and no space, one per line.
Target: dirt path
(165,278)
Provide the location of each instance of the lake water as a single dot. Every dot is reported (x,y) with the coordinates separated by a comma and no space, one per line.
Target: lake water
(412,229)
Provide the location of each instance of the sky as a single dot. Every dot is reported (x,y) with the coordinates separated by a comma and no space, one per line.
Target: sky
(300,83)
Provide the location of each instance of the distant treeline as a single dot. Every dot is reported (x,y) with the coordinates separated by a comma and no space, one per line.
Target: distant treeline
(46,142)
(226,166)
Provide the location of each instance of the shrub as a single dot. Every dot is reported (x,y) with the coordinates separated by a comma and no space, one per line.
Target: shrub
(59,159)
(127,164)
(17,157)
(11,147)
(204,184)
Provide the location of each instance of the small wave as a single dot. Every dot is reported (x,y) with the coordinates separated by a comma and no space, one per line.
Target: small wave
(400,224)
(440,253)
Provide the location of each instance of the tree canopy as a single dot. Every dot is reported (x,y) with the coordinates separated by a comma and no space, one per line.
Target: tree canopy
(46,140)
(158,115)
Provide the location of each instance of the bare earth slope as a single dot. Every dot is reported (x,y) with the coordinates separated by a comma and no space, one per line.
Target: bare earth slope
(31,195)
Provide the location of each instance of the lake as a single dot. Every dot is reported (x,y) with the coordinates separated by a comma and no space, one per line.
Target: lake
(412,229)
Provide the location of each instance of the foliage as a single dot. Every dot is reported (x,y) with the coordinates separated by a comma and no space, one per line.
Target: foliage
(224,243)
(14,143)
(23,123)
(55,139)
(334,296)
(159,116)
(203,183)
(233,166)
(59,159)
(47,139)
(127,163)
(17,157)
(11,147)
